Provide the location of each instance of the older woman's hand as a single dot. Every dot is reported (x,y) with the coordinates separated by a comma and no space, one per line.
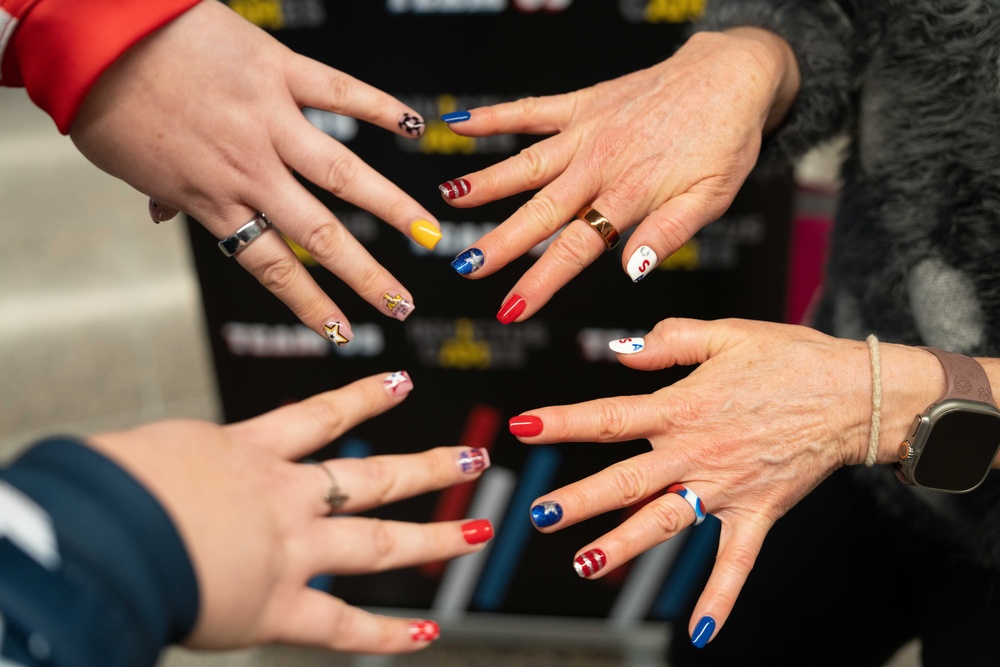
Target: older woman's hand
(771,411)
(205,117)
(667,147)
(257,526)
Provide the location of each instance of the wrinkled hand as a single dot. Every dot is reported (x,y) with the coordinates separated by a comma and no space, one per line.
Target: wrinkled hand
(667,147)
(205,117)
(257,527)
(770,412)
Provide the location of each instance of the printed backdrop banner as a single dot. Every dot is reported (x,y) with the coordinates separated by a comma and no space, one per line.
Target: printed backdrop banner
(472,373)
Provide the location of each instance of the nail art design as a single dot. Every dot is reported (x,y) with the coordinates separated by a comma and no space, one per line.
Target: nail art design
(397,305)
(627,345)
(703,631)
(398,383)
(511,309)
(455,188)
(412,124)
(471,461)
(642,261)
(456,116)
(424,631)
(469,261)
(425,233)
(337,332)
(590,563)
(546,514)
(478,531)
(526,426)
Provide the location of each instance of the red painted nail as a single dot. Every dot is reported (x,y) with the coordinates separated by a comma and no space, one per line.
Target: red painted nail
(590,562)
(478,531)
(511,309)
(424,631)
(455,188)
(525,425)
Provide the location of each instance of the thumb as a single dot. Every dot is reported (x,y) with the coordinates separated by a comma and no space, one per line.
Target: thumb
(679,341)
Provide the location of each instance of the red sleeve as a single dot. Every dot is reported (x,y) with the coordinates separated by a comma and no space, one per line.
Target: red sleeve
(57,49)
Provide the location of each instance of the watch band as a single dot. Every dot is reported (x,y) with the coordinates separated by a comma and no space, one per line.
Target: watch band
(964,377)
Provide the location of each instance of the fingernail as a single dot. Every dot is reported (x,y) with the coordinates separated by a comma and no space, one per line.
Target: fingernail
(703,631)
(455,188)
(478,531)
(338,332)
(412,124)
(546,514)
(641,262)
(398,383)
(154,211)
(471,461)
(511,309)
(527,426)
(627,345)
(425,233)
(590,563)
(468,262)
(397,305)
(456,116)
(424,631)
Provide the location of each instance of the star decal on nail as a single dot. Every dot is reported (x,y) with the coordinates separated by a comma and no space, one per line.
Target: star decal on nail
(393,381)
(332,331)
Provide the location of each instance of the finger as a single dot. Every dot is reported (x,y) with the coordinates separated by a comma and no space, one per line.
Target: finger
(313,84)
(614,419)
(529,115)
(680,341)
(293,431)
(315,618)
(737,554)
(160,212)
(355,545)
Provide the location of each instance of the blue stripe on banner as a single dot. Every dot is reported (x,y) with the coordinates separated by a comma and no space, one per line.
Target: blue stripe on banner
(697,555)
(511,539)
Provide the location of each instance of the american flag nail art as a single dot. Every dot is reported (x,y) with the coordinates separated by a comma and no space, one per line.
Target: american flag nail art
(590,562)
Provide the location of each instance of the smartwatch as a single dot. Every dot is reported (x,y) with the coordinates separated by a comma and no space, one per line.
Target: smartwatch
(951,445)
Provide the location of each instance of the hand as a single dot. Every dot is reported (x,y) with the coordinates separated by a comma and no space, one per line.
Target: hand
(771,411)
(257,528)
(667,147)
(205,117)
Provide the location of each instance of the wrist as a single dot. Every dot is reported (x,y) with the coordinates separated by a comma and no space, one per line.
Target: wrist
(912,380)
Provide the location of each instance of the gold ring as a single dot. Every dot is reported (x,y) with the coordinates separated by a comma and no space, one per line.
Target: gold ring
(601,224)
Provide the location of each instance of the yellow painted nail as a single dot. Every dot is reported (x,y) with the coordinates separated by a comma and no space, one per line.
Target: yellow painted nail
(425,233)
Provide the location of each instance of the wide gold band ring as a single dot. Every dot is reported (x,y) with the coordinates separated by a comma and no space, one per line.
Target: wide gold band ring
(601,224)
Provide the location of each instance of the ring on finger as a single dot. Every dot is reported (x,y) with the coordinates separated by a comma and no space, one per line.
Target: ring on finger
(601,224)
(334,496)
(245,235)
(692,499)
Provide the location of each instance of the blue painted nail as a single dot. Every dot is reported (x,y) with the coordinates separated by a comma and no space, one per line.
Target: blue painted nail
(468,262)
(546,514)
(456,116)
(703,631)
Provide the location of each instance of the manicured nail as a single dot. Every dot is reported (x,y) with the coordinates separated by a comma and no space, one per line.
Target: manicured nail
(412,124)
(642,261)
(627,345)
(511,309)
(590,563)
(468,262)
(338,332)
(471,461)
(425,233)
(478,531)
(397,305)
(424,631)
(398,383)
(456,116)
(455,188)
(154,211)
(546,514)
(703,631)
(526,426)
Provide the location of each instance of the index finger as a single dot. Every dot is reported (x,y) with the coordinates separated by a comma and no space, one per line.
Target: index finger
(528,115)
(615,419)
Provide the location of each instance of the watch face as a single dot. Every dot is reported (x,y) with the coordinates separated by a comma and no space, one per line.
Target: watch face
(958,451)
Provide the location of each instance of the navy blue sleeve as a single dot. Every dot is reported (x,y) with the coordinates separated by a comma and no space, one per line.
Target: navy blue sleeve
(92,570)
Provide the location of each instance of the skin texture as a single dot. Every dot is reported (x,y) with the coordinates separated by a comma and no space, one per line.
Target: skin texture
(666,148)
(205,117)
(255,523)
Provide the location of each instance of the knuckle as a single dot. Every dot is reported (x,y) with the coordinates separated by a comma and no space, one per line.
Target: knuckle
(542,211)
(338,89)
(279,275)
(572,249)
(611,421)
(529,107)
(666,519)
(324,241)
(741,559)
(326,413)
(533,165)
(628,482)
(341,173)
(383,541)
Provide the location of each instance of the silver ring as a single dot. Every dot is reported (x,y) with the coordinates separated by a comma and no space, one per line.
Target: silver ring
(333,496)
(245,235)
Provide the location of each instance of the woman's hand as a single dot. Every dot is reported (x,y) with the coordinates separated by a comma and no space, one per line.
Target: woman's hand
(770,412)
(666,148)
(257,525)
(205,116)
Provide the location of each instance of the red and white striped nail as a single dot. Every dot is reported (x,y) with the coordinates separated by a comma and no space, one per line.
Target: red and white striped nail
(590,563)
(455,188)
